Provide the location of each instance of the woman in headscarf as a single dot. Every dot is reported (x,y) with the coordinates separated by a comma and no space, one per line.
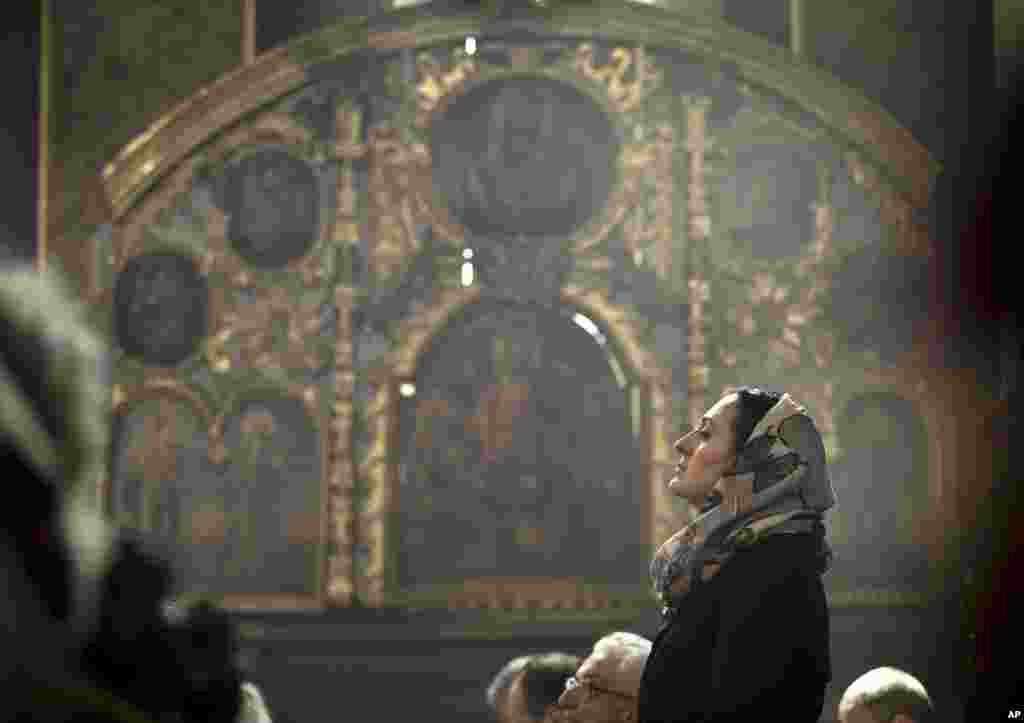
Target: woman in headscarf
(745,630)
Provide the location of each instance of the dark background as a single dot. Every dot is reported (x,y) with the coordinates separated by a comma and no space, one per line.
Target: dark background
(19,155)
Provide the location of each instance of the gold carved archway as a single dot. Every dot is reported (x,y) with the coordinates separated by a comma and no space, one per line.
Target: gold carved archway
(660,517)
(158,166)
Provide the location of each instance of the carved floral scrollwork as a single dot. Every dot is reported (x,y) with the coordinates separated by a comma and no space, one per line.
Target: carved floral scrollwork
(788,310)
(640,164)
(158,455)
(435,83)
(698,231)
(651,226)
(398,200)
(347,149)
(253,326)
(911,235)
(267,327)
(628,78)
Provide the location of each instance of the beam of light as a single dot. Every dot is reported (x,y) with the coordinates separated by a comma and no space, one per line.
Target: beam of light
(590,327)
(407,389)
(467,254)
(470,45)
(467,274)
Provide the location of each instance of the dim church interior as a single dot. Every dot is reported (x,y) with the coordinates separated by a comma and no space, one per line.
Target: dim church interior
(562,392)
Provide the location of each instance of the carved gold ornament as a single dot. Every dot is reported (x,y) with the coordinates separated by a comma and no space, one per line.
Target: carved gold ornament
(435,82)
(626,90)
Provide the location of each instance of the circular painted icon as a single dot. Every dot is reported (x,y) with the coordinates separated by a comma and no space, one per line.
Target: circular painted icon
(524,156)
(273,201)
(160,307)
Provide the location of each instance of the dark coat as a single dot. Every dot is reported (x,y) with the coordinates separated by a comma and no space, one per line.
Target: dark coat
(752,643)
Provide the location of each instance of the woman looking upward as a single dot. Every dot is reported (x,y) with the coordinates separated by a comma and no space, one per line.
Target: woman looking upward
(745,629)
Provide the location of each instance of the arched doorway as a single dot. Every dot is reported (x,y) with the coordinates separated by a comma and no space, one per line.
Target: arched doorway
(246,529)
(519,452)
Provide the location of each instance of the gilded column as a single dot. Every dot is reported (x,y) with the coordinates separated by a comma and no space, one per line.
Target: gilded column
(665,516)
(342,535)
(664,199)
(824,224)
(698,231)
(373,471)
(340,565)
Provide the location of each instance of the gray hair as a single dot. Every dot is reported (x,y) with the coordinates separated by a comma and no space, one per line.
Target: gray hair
(887,692)
(544,680)
(503,679)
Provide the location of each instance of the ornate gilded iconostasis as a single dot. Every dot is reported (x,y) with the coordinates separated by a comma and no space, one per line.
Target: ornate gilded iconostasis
(411,314)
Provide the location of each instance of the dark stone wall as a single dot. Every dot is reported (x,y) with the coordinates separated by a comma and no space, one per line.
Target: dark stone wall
(277,22)
(118,66)
(928,63)
(768,18)
(19,48)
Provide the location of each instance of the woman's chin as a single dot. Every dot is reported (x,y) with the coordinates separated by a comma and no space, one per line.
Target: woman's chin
(687,490)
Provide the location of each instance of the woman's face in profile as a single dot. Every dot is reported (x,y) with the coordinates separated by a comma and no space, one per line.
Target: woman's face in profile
(707,452)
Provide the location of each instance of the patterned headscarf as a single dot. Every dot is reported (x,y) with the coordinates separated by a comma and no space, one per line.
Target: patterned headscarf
(785,457)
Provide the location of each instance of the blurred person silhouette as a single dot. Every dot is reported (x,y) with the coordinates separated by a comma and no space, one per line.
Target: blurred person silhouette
(54,545)
(985,298)
(886,695)
(85,626)
(170,658)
